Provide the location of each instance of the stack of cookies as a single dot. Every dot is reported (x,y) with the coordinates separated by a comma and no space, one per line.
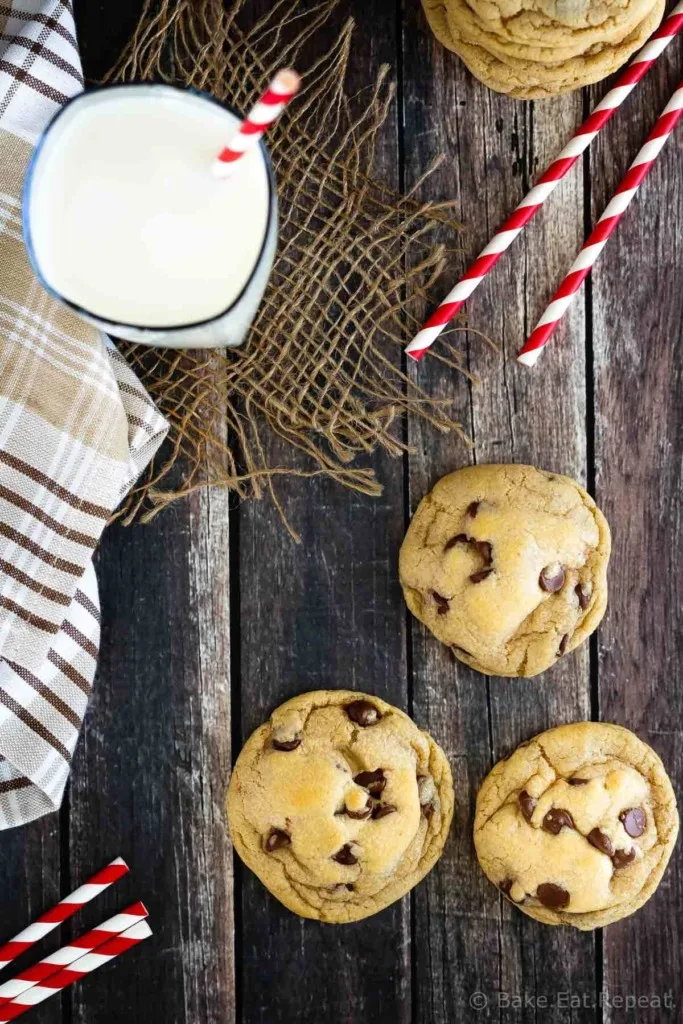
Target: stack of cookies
(540,48)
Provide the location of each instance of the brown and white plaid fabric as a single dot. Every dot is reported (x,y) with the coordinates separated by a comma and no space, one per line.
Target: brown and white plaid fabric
(76,430)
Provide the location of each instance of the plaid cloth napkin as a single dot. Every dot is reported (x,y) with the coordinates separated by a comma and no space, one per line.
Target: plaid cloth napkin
(76,429)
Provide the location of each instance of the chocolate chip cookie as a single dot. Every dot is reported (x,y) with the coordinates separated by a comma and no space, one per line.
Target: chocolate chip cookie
(507,565)
(577,827)
(340,804)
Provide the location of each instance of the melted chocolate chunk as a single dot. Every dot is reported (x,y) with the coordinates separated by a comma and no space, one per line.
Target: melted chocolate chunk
(477,577)
(584,596)
(345,856)
(362,712)
(634,821)
(443,603)
(484,550)
(600,841)
(554,897)
(556,819)
(374,782)
(381,811)
(563,645)
(287,744)
(460,538)
(622,858)
(506,886)
(277,840)
(551,578)
(472,509)
(578,782)
(527,804)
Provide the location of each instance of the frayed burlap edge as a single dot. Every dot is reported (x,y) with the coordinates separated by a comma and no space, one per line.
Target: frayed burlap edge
(321,368)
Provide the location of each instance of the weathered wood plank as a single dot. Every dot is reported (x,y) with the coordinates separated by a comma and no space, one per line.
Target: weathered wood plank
(150,775)
(638,346)
(470,940)
(30,883)
(151,772)
(103,31)
(325,614)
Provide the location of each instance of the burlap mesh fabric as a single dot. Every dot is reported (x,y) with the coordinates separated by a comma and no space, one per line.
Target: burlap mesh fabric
(322,364)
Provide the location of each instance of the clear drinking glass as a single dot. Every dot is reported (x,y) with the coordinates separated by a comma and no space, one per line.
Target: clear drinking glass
(125,223)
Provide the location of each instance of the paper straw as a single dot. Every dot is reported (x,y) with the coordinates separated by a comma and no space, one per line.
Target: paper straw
(281,90)
(595,242)
(534,199)
(77,970)
(74,951)
(64,910)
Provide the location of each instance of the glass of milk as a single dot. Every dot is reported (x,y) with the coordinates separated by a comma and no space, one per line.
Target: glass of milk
(126,224)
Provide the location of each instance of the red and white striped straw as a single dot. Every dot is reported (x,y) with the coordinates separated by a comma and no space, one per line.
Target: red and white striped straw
(74,951)
(65,909)
(597,239)
(281,90)
(77,970)
(534,199)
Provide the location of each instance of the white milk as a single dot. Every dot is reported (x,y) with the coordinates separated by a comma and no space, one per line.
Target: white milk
(125,218)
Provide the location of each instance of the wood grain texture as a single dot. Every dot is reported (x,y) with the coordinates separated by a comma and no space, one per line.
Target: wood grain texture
(152,767)
(31,883)
(325,614)
(499,145)
(638,345)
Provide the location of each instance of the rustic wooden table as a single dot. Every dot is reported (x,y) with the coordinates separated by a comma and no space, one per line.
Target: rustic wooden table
(212,616)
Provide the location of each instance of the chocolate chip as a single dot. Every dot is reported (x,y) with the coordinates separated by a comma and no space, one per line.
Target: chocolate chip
(460,538)
(349,886)
(472,509)
(527,804)
(578,782)
(287,744)
(345,856)
(584,595)
(484,550)
(556,819)
(359,815)
(563,645)
(551,578)
(374,782)
(428,810)
(554,897)
(442,603)
(622,858)
(381,811)
(477,577)
(600,841)
(277,839)
(362,712)
(634,821)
